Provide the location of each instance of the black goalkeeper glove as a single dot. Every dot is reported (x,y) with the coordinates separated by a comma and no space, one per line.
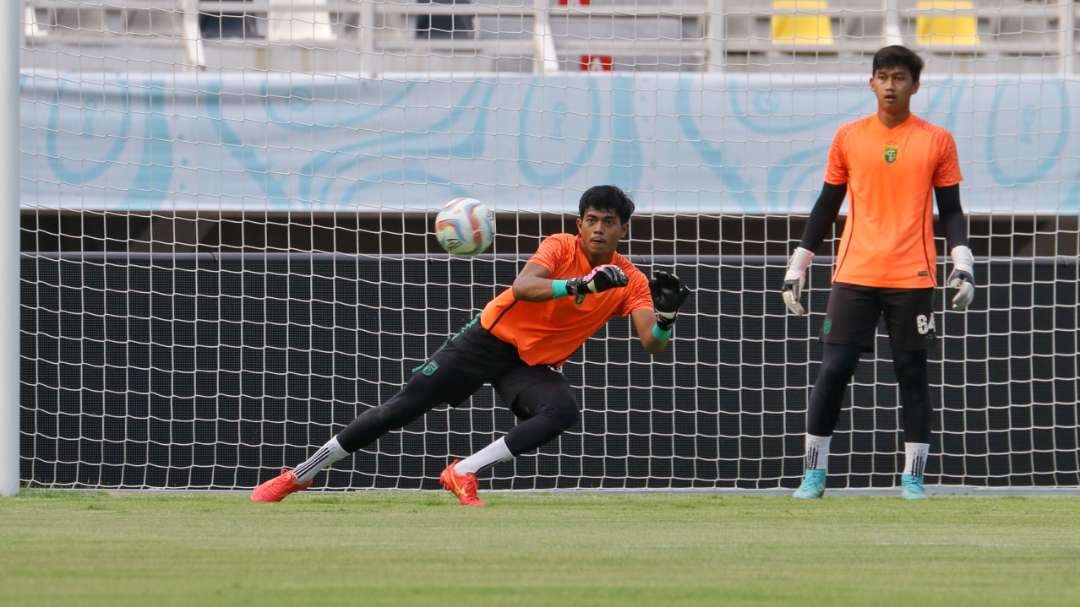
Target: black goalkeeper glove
(668,294)
(601,278)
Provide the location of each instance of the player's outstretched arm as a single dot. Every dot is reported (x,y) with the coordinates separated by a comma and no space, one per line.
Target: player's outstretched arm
(822,217)
(962,277)
(654,327)
(534,283)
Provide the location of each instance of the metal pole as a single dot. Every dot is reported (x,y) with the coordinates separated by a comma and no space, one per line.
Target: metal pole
(892,23)
(716,33)
(545,59)
(193,42)
(1066,36)
(12,31)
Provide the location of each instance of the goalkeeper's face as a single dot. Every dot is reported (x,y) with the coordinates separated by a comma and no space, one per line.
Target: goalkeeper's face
(600,231)
(893,86)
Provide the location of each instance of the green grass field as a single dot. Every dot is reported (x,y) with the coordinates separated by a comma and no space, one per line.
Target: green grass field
(405,548)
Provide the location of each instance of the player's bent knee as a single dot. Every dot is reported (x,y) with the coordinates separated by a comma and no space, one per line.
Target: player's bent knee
(564,413)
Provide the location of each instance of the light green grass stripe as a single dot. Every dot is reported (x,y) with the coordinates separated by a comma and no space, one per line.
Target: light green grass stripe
(395,548)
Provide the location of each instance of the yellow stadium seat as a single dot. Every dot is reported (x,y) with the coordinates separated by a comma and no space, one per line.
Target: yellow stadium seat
(809,29)
(946,30)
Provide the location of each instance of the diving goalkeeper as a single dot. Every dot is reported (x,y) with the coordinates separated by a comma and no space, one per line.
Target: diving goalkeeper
(569,289)
(891,163)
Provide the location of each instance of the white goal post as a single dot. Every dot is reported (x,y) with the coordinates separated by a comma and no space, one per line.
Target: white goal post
(10,30)
(226,248)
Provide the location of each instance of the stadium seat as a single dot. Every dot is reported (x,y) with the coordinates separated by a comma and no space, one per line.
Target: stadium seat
(946,30)
(809,29)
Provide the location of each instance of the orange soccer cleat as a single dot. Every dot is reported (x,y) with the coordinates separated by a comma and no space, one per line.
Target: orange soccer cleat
(275,489)
(461,485)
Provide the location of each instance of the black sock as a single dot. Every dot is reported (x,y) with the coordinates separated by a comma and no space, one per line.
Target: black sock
(911,373)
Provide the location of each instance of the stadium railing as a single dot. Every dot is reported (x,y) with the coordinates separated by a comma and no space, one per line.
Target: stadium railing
(547,35)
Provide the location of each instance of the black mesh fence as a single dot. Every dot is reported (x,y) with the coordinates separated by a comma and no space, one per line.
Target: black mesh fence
(215,370)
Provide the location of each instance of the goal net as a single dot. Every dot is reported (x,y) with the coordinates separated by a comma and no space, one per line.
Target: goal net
(227,250)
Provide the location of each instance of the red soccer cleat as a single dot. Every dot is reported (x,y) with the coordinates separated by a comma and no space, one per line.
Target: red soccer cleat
(275,489)
(461,485)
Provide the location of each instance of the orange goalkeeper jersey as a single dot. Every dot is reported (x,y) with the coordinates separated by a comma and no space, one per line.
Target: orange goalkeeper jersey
(891,174)
(549,332)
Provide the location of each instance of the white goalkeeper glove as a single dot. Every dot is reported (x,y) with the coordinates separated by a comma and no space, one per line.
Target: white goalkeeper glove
(795,278)
(962,277)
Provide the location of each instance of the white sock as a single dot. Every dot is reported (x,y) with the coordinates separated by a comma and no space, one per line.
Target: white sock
(915,455)
(493,453)
(817,452)
(323,458)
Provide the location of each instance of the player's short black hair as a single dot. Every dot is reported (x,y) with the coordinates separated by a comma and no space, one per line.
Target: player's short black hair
(896,55)
(606,198)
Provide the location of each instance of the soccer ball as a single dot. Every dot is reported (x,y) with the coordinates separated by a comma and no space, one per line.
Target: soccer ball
(465,226)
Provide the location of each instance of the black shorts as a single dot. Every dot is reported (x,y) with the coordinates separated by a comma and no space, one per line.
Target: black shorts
(854,312)
(474,357)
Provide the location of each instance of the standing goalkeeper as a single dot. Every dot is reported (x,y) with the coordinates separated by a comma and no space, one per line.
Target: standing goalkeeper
(569,289)
(892,163)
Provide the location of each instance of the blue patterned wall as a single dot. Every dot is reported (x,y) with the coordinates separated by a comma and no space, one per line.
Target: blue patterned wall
(686,143)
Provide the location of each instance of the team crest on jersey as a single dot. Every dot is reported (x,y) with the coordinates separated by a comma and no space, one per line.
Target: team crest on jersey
(891,153)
